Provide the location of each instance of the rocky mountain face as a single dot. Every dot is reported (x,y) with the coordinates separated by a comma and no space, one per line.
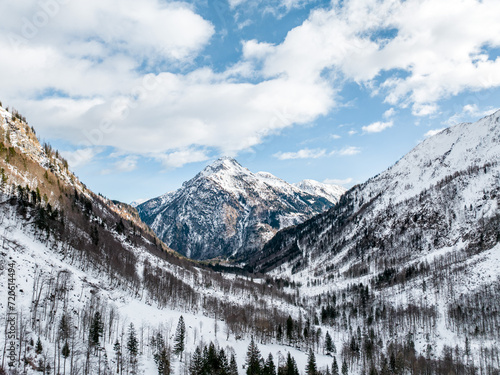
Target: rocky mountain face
(226,210)
(441,195)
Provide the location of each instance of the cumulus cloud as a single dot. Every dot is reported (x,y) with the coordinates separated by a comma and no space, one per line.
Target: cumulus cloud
(301,154)
(81,156)
(429,50)
(469,112)
(377,127)
(81,73)
(389,113)
(179,158)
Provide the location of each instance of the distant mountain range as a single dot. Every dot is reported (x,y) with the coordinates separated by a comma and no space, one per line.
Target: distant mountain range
(227,210)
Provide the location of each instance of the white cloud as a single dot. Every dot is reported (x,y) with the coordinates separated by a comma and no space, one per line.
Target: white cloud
(348,151)
(436,49)
(433,132)
(301,154)
(377,127)
(179,158)
(389,113)
(334,181)
(335,136)
(124,164)
(80,157)
(90,53)
(275,7)
(352,132)
(469,112)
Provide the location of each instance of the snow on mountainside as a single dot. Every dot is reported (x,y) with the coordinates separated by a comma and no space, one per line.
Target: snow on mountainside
(328,191)
(464,156)
(378,284)
(71,260)
(227,210)
(423,235)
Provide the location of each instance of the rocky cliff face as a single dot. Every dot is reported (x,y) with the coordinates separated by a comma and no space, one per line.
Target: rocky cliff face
(226,210)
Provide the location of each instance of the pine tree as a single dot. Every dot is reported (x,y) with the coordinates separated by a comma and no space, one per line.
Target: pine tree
(196,365)
(132,346)
(64,327)
(335,367)
(311,364)
(289,329)
(253,359)
(233,366)
(345,369)
(293,370)
(180,336)
(161,355)
(329,346)
(39,347)
(279,333)
(96,329)
(118,355)
(269,367)
(223,363)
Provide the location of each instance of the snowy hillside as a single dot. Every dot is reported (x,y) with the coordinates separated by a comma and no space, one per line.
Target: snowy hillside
(400,277)
(226,210)
(78,272)
(422,236)
(328,191)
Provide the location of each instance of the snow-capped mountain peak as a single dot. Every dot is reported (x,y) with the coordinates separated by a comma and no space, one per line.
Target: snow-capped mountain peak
(226,209)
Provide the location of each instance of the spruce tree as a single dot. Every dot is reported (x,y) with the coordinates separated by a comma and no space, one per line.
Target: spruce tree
(335,367)
(233,366)
(161,355)
(65,353)
(180,336)
(289,329)
(118,355)
(345,369)
(96,329)
(132,346)
(196,365)
(39,347)
(269,367)
(253,359)
(64,327)
(329,346)
(311,364)
(290,367)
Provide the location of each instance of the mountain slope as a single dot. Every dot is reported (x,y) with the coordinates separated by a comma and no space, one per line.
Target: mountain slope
(71,260)
(439,191)
(227,210)
(418,245)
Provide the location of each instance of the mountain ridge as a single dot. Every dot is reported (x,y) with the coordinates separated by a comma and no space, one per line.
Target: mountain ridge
(227,210)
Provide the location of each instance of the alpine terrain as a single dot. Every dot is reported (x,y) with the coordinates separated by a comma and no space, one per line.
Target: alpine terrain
(226,210)
(400,276)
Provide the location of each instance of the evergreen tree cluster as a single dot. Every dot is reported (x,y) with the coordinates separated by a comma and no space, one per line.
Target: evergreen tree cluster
(209,360)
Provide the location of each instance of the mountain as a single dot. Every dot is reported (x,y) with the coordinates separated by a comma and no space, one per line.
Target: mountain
(83,276)
(327,191)
(433,198)
(226,210)
(420,241)
(396,278)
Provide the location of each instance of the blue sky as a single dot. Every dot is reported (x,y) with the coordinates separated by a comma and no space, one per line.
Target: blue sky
(140,96)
